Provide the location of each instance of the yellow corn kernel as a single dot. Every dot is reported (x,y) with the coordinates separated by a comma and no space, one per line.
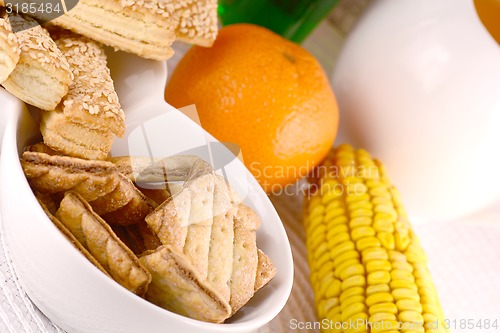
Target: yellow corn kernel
(352,270)
(337,239)
(333,289)
(352,300)
(354,281)
(410,317)
(387,307)
(381,316)
(404,266)
(378,265)
(384,326)
(345,256)
(351,292)
(338,229)
(405,293)
(379,277)
(353,309)
(387,240)
(344,265)
(367,242)
(397,284)
(379,298)
(330,303)
(402,275)
(379,288)
(374,253)
(366,262)
(409,304)
(362,232)
(341,248)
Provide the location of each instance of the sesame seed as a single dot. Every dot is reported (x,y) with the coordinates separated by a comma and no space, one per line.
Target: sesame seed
(92,89)
(195,15)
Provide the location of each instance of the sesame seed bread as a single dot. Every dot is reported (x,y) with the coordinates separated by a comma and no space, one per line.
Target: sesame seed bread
(42,76)
(129,29)
(144,27)
(200,26)
(91,100)
(9,54)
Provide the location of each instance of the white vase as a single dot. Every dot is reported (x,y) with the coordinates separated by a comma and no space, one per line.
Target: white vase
(418,85)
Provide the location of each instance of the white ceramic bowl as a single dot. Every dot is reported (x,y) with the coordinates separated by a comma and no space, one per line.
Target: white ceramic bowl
(77,296)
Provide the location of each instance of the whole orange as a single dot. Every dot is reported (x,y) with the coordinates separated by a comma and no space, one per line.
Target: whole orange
(264,93)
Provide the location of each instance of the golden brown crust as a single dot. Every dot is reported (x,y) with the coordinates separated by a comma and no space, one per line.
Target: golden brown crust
(266,270)
(9,54)
(65,231)
(91,100)
(53,174)
(134,30)
(138,237)
(42,75)
(72,139)
(177,286)
(217,236)
(112,195)
(41,147)
(144,27)
(124,205)
(200,26)
(48,202)
(100,240)
(245,257)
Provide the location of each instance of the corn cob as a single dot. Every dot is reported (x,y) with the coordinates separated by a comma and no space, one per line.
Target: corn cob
(368,270)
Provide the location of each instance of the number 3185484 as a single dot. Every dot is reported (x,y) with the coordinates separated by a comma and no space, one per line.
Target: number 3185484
(471,324)
(33,8)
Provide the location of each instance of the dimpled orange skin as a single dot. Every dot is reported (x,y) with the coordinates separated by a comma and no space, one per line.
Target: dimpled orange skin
(266,94)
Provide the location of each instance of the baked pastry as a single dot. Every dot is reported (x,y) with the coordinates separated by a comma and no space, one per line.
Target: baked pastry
(112,195)
(84,122)
(217,235)
(245,257)
(63,135)
(176,286)
(138,237)
(65,231)
(146,27)
(124,205)
(42,75)
(100,240)
(9,54)
(41,147)
(199,26)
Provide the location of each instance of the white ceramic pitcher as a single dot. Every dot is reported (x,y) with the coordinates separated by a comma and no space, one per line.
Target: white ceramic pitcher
(418,85)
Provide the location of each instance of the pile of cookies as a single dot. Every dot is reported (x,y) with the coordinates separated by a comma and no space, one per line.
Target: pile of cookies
(61,67)
(170,230)
(188,246)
